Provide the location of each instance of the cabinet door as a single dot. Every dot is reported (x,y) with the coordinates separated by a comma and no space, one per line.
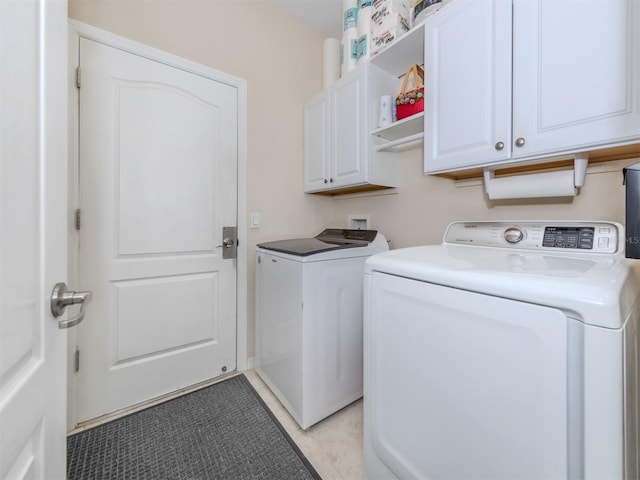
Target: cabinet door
(576,80)
(468,85)
(348,129)
(316,143)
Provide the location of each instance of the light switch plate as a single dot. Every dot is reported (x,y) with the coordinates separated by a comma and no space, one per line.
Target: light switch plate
(255,219)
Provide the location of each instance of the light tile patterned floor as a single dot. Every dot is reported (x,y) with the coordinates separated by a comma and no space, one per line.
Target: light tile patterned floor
(333,446)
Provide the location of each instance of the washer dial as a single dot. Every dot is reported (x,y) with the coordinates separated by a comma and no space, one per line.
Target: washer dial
(513,235)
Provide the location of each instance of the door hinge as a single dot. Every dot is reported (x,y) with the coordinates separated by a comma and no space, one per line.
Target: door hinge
(78,77)
(77,221)
(76,361)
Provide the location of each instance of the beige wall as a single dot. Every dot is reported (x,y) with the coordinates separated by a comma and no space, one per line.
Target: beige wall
(423,205)
(281,59)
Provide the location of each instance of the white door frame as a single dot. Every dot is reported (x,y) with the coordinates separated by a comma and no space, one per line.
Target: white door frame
(79,29)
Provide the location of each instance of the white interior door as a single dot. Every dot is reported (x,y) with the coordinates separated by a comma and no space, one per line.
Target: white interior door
(33,237)
(158,181)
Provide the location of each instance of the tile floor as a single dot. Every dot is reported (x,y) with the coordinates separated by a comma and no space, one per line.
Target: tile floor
(333,446)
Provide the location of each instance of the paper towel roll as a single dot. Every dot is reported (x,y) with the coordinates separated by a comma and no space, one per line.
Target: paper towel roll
(364,33)
(349,14)
(349,54)
(547,184)
(331,61)
(346,4)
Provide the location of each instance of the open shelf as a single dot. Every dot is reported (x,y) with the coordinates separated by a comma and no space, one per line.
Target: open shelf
(399,55)
(401,133)
(402,128)
(392,63)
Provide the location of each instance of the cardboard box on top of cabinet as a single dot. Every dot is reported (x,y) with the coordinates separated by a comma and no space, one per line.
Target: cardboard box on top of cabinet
(389,21)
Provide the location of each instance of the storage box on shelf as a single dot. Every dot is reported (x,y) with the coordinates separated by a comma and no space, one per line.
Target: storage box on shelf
(390,19)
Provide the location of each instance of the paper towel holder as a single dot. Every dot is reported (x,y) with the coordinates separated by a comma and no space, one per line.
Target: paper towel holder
(495,190)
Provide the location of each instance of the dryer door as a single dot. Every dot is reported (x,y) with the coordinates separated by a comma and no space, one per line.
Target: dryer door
(463,385)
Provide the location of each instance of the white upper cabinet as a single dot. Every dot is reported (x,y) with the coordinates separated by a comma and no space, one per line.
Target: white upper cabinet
(508,82)
(338,154)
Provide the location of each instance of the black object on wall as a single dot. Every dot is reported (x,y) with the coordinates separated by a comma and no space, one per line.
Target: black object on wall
(631,180)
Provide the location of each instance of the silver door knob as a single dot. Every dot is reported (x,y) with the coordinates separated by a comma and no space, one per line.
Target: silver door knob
(229,242)
(499,146)
(520,142)
(61,298)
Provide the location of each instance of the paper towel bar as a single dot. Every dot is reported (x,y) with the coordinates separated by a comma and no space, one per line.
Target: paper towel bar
(536,185)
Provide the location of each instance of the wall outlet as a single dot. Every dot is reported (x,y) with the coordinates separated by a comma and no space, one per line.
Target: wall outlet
(359,221)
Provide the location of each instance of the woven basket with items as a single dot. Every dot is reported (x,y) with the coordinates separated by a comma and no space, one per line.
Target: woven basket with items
(411,101)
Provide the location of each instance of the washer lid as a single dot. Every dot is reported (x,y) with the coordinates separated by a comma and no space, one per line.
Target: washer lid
(300,246)
(595,289)
(327,240)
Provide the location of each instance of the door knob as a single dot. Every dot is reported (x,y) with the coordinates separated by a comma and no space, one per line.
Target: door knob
(229,242)
(61,298)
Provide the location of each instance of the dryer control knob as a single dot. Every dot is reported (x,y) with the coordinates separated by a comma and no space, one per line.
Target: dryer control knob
(513,235)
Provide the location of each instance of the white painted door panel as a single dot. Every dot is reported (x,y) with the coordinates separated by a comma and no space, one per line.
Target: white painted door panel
(469,98)
(317,143)
(158,181)
(348,112)
(572,89)
(33,237)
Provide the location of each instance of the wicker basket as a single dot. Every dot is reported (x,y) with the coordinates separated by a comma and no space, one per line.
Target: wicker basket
(411,101)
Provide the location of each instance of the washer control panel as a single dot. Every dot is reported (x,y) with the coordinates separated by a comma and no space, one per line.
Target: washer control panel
(582,237)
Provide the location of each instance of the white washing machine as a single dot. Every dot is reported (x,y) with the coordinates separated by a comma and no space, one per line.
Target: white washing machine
(309,319)
(511,350)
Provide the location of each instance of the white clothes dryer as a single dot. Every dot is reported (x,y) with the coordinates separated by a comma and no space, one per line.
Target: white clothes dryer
(309,319)
(511,350)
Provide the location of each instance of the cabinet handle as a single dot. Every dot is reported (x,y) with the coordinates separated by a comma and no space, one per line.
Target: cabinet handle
(499,146)
(330,180)
(326,181)
(520,142)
